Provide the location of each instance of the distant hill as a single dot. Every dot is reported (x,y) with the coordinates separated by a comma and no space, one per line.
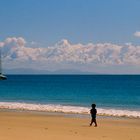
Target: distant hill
(33,71)
(24,71)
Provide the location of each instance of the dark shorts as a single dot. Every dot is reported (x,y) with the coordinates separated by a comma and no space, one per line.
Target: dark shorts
(93,116)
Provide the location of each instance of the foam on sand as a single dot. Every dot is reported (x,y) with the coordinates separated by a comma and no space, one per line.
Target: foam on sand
(68,109)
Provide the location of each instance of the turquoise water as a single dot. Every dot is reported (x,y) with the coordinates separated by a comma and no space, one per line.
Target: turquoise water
(109,92)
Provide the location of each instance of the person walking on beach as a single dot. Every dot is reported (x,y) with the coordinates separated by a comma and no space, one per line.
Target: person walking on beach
(93,113)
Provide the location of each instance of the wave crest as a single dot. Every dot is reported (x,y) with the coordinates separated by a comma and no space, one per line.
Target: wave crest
(68,109)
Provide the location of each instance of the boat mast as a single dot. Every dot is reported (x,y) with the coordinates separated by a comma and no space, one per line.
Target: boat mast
(0,63)
(2,77)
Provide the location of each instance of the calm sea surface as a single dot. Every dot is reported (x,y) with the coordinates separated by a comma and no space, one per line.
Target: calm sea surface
(73,93)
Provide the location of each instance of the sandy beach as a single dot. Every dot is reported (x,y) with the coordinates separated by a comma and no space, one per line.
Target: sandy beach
(33,126)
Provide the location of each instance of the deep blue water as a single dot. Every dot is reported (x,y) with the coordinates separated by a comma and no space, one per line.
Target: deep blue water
(107,91)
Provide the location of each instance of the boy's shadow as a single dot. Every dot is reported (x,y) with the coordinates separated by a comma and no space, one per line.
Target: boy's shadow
(85,125)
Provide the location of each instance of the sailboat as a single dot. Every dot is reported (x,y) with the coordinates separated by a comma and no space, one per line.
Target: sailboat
(2,77)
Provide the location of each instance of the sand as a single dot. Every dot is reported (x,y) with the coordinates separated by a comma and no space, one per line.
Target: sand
(34,126)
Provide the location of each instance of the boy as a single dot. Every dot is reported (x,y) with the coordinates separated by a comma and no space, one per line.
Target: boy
(93,113)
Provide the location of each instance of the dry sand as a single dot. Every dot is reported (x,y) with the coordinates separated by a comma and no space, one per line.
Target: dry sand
(32,126)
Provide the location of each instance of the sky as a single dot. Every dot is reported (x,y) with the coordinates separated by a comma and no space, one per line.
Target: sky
(89,35)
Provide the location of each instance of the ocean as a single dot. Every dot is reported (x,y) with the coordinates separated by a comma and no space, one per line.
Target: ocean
(114,95)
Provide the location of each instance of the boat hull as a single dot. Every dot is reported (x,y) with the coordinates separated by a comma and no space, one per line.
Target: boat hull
(2,77)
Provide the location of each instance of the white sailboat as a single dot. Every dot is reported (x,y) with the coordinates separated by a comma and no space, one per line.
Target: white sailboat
(2,77)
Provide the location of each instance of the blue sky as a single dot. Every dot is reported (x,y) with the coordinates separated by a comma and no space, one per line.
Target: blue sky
(112,27)
(47,21)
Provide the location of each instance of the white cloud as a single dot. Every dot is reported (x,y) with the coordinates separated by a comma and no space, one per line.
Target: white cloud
(137,34)
(64,55)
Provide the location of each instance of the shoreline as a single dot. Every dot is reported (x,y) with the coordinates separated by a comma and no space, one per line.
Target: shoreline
(69,109)
(34,126)
(64,114)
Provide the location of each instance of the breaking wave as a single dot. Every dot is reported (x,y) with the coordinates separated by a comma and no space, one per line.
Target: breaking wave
(68,109)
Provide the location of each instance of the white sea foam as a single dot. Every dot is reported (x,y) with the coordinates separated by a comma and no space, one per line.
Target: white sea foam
(68,109)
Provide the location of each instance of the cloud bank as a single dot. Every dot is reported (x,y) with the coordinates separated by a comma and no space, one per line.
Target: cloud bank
(137,34)
(64,55)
